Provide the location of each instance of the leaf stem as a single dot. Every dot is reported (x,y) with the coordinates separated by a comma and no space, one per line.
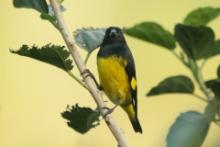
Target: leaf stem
(203,64)
(200,97)
(87,57)
(179,58)
(77,79)
(197,73)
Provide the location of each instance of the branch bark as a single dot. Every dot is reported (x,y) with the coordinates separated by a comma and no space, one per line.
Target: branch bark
(62,27)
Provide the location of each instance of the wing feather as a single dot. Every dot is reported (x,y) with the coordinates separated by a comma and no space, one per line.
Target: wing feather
(130,69)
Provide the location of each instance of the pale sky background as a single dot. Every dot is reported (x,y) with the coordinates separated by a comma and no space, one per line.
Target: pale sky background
(33,94)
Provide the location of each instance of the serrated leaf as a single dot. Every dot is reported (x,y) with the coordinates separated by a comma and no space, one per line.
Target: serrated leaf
(174,84)
(51,54)
(214,85)
(152,32)
(81,119)
(39,5)
(201,16)
(196,42)
(89,38)
(189,130)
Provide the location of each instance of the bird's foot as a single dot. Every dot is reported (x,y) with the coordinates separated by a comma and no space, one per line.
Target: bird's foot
(86,73)
(109,110)
(105,101)
(100,87)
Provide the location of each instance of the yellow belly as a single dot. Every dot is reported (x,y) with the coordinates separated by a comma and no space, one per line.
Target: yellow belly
(113,79)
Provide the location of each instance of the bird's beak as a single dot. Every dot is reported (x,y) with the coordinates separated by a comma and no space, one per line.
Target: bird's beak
(113,33)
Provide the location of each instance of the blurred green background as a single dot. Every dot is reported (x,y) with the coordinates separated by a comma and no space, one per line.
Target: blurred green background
(33,94)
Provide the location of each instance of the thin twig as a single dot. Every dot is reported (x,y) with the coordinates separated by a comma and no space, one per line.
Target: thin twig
(203,87)
(115,129)
(196,71)
(77,79)
(200,97)
(197,74)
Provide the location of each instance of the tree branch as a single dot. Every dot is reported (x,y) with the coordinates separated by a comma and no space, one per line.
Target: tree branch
(115,129)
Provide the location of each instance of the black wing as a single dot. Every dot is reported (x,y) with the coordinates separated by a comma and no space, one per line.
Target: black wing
(130,69)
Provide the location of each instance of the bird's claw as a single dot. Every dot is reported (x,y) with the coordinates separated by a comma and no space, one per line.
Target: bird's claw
(109,110)
(86,73)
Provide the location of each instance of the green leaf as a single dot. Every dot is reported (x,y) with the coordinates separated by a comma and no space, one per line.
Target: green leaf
(189,130)
(89,38)
(214,85)
(152,32)
(210,51)
(51,54)
(218,72)
(39,5)
(81,119)
(48,17)
(196,42)
(201,16)
(174,84)
(211,110)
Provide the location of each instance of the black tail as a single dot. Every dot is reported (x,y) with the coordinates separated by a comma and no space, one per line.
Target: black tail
(136,125)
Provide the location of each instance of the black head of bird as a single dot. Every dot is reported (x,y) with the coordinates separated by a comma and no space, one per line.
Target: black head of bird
(113,35)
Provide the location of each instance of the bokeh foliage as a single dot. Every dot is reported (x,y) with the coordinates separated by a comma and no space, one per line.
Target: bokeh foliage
(197,42)
(191,41)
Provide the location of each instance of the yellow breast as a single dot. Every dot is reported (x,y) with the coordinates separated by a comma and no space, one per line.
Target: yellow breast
(113,78)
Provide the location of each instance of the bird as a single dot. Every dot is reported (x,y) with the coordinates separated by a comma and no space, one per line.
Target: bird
(117,75)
